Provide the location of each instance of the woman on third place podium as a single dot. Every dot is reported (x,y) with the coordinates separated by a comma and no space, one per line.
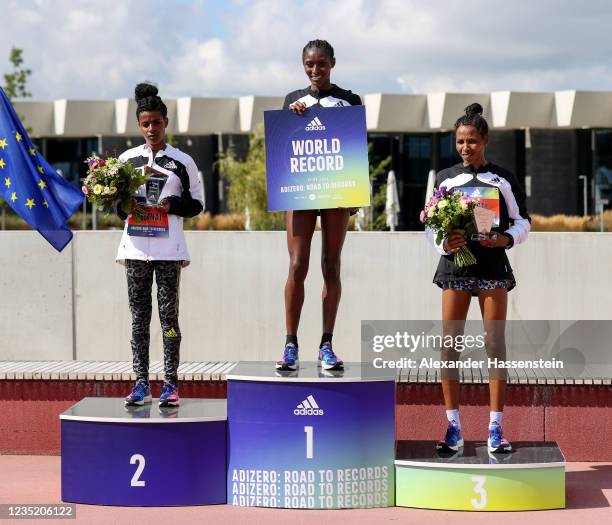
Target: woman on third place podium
(318,60)
(175,191)
(489,279)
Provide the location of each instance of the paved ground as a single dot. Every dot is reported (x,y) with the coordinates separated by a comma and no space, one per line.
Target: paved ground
(36,479)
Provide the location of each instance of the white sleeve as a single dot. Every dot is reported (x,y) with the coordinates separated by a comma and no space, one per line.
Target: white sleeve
(196,188)
(521,226)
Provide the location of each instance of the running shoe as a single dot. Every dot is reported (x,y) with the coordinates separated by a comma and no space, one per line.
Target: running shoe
(169,396)
(290,360)
(497,442)
(141,394)
(453,439)
(328,360)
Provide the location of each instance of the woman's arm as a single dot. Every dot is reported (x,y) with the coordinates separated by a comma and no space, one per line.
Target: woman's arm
(191,201)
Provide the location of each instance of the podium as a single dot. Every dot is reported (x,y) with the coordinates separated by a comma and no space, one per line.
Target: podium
(145,455)
(530,478)
(311,438)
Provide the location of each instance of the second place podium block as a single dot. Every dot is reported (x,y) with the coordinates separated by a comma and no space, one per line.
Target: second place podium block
(145,455)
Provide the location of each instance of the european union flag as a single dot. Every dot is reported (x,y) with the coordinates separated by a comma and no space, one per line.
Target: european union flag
(29,184)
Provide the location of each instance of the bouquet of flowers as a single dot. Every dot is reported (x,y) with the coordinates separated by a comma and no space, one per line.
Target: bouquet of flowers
(112,183)
(448,212)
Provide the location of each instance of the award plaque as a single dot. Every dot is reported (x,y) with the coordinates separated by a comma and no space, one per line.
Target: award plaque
(484,217)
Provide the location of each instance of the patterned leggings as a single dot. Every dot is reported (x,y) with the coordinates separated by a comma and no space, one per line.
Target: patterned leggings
(140,282)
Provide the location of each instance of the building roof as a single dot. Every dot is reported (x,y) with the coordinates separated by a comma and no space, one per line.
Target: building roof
(385,113)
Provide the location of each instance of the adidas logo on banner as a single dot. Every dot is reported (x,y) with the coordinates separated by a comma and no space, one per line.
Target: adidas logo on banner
(170,165)
(315,125)
(308,407)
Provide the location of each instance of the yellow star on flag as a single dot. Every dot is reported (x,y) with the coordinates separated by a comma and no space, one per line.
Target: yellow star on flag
(30,203)
(32,152)
(3,143)
(13,197)
(7,182)
(18,136)
(40,169)
(2,163)
(42,184)
(46,203)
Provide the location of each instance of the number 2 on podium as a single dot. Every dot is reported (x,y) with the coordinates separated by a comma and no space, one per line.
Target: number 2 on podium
(478,489)
(309,442)
(137,458)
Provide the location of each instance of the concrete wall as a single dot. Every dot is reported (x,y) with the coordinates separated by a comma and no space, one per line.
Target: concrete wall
(232,294)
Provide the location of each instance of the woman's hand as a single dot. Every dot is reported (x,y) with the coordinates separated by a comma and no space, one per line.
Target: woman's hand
(454,243)
(164,205)
(138,212)
(501,241)
(298,107)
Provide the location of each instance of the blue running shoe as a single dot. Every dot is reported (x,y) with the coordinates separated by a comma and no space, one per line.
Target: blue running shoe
(141,394)
(497,442)
(290,360)
(453,439)
(169,396)
(328,360)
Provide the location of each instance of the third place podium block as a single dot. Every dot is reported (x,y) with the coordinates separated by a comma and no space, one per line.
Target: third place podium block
(530,478)
(310,438)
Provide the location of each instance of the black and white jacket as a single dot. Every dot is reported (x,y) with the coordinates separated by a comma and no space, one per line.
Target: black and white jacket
(492,263)
(333,97)
(181,186)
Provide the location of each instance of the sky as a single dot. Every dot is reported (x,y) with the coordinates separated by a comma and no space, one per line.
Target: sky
(99,49)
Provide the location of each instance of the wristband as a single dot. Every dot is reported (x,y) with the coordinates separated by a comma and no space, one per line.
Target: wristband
(510,241)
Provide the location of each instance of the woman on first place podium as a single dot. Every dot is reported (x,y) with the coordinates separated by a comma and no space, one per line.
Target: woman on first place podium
(318,60)
(489,279)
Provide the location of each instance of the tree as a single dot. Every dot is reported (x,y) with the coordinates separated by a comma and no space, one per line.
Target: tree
(15,87)
(247,185)
(16,81)
(376,219)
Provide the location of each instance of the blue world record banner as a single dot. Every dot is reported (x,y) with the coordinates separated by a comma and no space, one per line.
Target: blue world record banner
(317,160)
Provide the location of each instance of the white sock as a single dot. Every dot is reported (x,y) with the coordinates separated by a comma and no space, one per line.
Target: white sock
(496,417)
(453,415)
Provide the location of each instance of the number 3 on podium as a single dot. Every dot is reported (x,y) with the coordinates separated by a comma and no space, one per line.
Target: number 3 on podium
(309,442)
(478,489)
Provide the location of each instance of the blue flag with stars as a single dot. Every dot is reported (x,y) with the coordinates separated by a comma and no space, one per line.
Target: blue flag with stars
(28,183)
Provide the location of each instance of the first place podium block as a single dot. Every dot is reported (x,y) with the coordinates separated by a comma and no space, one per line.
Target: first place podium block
(144,455)
(530,478)
(311,438)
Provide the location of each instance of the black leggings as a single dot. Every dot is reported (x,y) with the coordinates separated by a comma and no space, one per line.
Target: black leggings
(140,282)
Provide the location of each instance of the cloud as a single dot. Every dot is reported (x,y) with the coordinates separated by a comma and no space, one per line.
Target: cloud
(203,48)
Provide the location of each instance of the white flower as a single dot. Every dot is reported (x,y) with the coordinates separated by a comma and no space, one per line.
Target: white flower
(442,204)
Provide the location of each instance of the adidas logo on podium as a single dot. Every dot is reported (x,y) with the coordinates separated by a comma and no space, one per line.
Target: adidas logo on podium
(308,407)
(315,125)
